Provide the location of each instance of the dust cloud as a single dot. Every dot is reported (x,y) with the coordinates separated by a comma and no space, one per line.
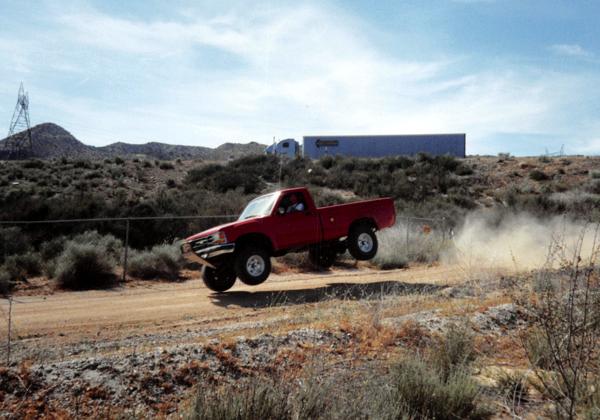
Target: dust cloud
(521,241)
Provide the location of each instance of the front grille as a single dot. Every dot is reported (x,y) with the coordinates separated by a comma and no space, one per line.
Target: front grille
(202,243)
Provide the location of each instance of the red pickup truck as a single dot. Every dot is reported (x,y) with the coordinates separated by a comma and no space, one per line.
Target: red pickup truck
(286,221)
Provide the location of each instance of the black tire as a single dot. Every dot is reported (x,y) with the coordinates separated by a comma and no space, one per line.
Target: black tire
(322,256)
(220,279)
(253,265)
(362,242)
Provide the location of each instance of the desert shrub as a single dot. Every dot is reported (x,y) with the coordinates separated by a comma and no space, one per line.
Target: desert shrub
(34,164)
(6,283)
(463,170)
(593,187)
(247,174)
(248,400)
(171,183)
(513,388)
(110,245)
(84,266)
(324,197)
(454,350)
(538,175)
(147,164)
(166,166)
(162,261)
(425,245)
(94,175)
(119,161)
(82,163)
(23,265)
(563,307)
(595,174)
(13,241)
(544,159)
(417,390)
(538,350)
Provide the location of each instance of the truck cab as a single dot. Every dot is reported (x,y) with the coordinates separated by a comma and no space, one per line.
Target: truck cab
(287,147)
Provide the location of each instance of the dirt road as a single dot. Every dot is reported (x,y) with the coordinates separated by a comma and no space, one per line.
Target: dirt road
(144,346)
(152,308)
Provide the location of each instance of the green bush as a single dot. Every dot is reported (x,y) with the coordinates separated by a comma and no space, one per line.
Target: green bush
(538,350)
(252,400)
(463,170)
(420,391)
(85,266)
(538,175)
(395,252)
(513,388)
(112,246)
(13,241)
(454,350)
(23,265)
(6,283)
(34,164)
(165,166)
(162,261)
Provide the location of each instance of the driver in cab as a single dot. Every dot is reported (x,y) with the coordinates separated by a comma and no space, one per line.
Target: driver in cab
(295,204)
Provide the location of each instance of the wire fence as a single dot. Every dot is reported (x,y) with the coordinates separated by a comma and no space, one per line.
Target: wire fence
(413,226)
(410,227)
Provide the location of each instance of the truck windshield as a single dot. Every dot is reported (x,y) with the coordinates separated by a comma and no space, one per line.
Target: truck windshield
(258,207)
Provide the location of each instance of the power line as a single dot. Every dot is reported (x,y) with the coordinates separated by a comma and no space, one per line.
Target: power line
(115,219)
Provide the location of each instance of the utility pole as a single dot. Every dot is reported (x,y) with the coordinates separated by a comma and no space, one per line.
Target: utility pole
(18,143)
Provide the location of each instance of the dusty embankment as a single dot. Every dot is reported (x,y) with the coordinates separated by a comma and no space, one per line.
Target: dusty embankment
(143,347)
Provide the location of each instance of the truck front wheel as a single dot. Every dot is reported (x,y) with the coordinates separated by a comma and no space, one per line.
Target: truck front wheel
(253,265)
(220,279)
(362,242)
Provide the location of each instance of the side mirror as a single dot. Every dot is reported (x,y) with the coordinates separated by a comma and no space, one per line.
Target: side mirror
(281,211)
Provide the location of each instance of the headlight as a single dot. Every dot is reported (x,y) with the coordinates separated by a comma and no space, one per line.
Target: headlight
(217,238)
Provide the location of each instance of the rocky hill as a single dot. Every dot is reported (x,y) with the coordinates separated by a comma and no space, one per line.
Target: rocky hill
(52,141)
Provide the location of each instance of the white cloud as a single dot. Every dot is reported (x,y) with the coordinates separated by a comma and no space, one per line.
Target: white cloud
(573,50)
(296,71)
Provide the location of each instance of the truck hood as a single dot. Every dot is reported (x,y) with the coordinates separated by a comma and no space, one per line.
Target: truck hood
(227,227)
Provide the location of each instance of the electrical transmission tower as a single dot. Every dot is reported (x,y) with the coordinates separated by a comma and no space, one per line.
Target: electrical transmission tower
(18,143)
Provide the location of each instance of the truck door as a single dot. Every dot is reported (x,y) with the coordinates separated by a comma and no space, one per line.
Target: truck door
(296,224)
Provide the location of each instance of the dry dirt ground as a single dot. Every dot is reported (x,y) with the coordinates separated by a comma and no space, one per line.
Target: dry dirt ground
(140,350)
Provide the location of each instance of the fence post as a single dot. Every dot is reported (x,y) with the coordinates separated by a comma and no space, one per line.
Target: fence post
(8,339)
(444,226)
(407,228)
(126,250)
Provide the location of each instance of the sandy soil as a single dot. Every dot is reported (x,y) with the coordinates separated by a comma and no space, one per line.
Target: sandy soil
(153,307)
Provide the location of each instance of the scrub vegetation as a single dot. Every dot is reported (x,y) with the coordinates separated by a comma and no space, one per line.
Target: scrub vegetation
(423,186)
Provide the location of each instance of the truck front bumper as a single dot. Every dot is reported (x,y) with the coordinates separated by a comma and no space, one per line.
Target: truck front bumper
(203,256)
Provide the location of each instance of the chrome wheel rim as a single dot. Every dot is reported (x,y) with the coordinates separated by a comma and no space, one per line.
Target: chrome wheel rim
(255,265)
(365,242)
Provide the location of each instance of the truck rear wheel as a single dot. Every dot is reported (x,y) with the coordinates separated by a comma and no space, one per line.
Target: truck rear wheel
(220,279)
(362,242)
(253,265)
(322,256)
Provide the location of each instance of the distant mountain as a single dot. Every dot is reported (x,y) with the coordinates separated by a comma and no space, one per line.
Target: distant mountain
(52,141)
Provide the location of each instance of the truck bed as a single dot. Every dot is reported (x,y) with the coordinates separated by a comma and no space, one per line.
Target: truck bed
(337,219)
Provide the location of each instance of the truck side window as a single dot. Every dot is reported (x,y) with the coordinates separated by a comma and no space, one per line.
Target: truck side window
(293,203)
(285,145)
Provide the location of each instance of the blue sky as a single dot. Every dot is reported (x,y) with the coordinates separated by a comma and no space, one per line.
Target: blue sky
(516,76)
